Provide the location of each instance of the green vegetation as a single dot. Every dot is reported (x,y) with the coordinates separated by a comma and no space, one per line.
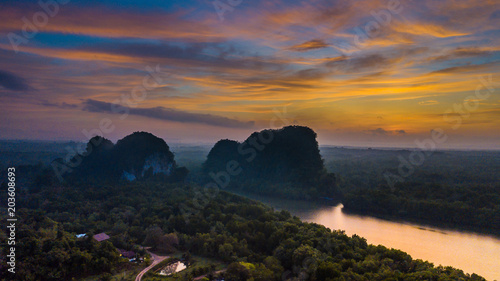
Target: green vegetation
(198,266)
(251,239)
(451,188)
(246,239)
(284,162)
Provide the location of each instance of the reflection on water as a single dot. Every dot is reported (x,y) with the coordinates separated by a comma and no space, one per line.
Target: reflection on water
(473,253)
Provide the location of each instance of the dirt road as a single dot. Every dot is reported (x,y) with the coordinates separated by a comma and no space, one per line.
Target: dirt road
(156,260)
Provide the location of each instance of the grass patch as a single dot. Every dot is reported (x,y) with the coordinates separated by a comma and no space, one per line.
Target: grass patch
(126,271)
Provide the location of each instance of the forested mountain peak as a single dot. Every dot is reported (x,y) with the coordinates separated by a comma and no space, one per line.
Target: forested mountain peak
(140,155)
(286,159)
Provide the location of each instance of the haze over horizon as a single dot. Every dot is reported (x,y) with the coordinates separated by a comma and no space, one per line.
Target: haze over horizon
(360,73)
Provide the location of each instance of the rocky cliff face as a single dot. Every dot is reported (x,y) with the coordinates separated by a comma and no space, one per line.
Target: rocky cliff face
(156,164)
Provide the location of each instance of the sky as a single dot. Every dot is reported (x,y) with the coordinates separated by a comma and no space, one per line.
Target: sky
(360,73)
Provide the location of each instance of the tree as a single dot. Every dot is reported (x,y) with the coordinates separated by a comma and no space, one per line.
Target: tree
(261,273)
(226,251)
(327,270)
(237,272)
(154,235)
(168,243)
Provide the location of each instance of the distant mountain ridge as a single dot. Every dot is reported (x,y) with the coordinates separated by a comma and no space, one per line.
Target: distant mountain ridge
(283,162)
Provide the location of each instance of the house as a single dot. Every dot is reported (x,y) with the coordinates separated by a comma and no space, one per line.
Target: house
(101,237)
(127,254)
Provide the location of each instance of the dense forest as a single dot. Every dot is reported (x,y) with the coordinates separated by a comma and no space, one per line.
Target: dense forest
(136,192)
(459,189)
(250,240)
(449,189)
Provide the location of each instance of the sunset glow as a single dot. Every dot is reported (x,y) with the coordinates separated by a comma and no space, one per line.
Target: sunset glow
(360,73)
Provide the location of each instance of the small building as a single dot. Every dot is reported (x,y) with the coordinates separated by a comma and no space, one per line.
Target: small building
(81,235)
(127,254)
(101,237)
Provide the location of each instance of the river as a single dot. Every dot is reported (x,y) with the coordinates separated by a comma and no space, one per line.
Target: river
(471,252)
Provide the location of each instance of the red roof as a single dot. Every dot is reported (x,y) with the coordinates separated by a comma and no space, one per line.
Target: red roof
(101,237)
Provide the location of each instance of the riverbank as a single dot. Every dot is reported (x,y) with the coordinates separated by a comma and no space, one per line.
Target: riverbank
(469,251)
(426,223)
(310,205)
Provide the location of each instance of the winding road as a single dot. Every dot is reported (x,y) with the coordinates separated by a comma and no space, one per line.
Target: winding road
(156,260)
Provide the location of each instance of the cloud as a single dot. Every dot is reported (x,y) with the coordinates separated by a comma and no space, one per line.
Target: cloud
(62,105)
(378,132)
(310,45)
(459,53)
(363,62)
(213,57)
(290,52)
(400,132)
(466,68)
(427,29)
(383,132)
(169,114)
(13,82)
(428,102)
(116,22)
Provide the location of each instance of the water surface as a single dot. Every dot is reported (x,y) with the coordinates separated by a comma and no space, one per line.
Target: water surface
(471,252)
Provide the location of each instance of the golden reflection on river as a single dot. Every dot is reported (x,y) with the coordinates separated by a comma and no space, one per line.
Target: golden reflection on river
(473,253)
(470,252)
